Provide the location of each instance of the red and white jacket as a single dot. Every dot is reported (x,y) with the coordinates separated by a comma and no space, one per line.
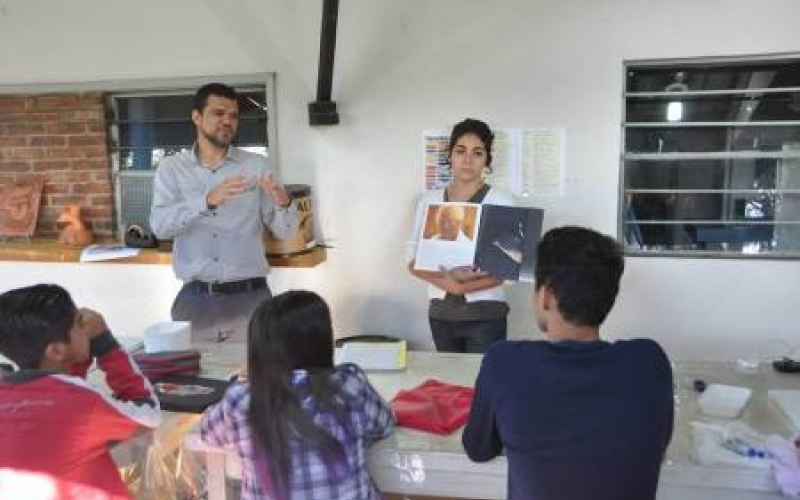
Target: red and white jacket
(55,429)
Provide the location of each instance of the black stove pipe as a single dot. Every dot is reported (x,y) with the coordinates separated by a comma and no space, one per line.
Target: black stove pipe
(323,110)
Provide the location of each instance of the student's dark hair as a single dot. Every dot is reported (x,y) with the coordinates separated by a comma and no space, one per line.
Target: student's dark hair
(31,318)
(288,332)
(478,128)
(209,89)
(582,268)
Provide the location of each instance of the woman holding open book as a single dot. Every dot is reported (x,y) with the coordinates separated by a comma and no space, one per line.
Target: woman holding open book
(468,310)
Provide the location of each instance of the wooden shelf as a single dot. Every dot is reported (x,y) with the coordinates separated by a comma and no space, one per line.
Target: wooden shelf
(309,259)
(42,250)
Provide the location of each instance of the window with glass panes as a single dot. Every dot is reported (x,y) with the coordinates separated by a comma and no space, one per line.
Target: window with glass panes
(145,126)
(711,158)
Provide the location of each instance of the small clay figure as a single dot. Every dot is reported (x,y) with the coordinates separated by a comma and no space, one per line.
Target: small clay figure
(72,229)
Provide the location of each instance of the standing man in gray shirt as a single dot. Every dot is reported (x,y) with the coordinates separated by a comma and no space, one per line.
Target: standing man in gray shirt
(214,202)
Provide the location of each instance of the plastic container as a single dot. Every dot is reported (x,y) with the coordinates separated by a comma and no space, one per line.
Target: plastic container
(727,401)
(786,403)
(168,336)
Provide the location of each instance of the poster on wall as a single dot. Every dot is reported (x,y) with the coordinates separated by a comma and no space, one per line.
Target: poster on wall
(542,167)
(437,165)
(526,162)
(437,168)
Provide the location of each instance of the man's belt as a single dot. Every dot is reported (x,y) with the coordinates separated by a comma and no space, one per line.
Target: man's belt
(230,287)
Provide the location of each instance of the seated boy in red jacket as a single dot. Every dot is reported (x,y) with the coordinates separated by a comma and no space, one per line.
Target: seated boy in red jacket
(55,429)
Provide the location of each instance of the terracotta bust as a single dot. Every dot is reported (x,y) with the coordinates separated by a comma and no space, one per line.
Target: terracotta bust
(72,229)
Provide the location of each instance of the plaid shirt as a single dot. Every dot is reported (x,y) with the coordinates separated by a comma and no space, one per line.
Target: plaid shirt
(368,419)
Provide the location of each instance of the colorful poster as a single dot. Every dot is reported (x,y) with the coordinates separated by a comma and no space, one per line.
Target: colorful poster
(526,162)
(437,168)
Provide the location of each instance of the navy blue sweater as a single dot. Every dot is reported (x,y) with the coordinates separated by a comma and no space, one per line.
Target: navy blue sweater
(577,420)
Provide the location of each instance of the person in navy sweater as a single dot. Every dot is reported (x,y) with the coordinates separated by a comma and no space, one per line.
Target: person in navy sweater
(577,417)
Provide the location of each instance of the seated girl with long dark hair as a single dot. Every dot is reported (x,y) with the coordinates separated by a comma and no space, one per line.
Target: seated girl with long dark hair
(299,423)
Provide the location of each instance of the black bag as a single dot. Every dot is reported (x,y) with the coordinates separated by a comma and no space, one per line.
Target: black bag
(188,394)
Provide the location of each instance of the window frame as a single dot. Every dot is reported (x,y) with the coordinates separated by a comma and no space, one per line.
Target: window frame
(179,86)
(679,64)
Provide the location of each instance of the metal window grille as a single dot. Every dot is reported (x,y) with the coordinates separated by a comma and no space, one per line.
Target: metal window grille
(710,162)
(145,126)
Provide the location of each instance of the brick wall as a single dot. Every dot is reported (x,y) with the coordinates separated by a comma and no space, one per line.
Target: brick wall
(62,138)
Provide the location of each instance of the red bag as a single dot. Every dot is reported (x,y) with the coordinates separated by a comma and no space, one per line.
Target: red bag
(433,406)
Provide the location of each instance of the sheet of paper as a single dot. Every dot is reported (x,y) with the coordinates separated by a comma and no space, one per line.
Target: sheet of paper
(94,253)
(505,159)
(542,162)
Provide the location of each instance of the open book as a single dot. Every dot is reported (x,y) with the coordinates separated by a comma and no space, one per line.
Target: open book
(498,239)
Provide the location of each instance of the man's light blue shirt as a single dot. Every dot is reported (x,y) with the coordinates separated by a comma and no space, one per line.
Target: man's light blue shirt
(226,243)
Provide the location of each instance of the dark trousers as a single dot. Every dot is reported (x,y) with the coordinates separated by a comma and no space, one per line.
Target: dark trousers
(217,317)
(467,336)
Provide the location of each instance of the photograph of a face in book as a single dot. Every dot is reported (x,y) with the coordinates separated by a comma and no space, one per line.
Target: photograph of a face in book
(447,235)
(500,240)
(450,222)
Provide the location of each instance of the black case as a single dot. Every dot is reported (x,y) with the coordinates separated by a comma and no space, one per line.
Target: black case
(137,236)
(193,403)
(365,338)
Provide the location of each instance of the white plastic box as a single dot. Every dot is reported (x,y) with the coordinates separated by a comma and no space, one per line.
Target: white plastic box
(168,336)
(787,404)
(727,401)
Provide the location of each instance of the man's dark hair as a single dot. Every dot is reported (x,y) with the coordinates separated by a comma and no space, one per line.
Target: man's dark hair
(582,268)
(478,128)
(209,89)
(31,318)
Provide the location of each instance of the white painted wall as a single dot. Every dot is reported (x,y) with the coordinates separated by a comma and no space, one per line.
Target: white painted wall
(403,66)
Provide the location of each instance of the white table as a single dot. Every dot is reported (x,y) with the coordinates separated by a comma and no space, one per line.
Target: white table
(412,462)
(415,463)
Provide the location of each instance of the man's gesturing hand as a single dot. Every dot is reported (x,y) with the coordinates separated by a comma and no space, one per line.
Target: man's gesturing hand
(232,186)
(275,190)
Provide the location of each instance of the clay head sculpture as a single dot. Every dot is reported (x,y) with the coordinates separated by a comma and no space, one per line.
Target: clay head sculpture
(72,229)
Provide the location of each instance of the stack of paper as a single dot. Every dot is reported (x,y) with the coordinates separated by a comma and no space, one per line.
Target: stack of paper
(787,403)
(94,253)
(374,355)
